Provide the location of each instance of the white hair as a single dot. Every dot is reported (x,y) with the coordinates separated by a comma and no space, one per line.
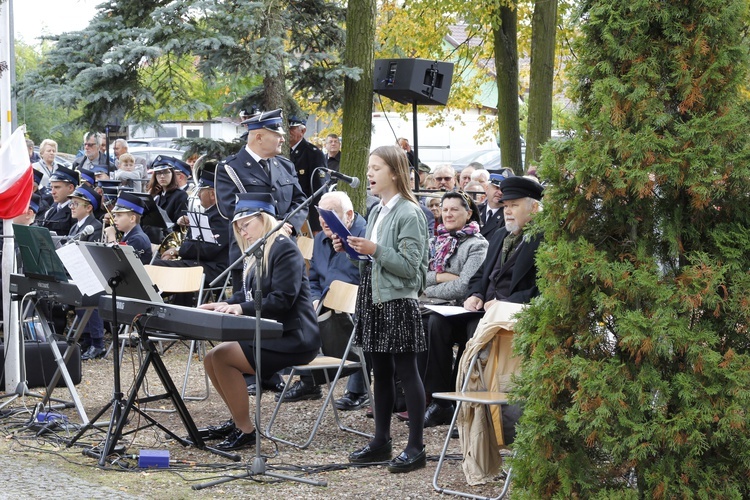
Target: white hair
(480,175)
(340,198)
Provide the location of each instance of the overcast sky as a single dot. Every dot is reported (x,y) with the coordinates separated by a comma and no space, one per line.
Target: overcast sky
(33,18)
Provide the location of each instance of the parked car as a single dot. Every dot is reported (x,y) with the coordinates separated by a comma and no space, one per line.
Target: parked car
(489,158)
(155,142)
(148,154)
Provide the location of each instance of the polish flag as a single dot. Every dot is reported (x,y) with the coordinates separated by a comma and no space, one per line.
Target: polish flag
(16,176)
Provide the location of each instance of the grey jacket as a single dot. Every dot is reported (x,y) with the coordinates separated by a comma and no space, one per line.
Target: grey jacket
(468,257)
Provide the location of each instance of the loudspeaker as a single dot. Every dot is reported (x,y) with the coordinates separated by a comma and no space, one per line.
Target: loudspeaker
(41,366)
(413,80)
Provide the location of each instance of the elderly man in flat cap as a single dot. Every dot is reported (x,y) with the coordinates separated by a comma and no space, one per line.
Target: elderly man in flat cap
(508,274)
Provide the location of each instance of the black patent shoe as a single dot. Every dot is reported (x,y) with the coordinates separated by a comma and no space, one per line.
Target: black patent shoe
(405,463)
(237,440)
(369,454)
(351,401)
(217,431)
(299,391)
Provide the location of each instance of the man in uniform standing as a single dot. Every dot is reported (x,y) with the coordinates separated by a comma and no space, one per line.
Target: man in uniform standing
(306,158)
(258,168)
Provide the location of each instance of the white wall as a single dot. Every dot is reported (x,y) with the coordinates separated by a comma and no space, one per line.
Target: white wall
(440,144)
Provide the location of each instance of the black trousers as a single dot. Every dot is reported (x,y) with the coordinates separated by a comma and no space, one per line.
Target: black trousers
(442,334)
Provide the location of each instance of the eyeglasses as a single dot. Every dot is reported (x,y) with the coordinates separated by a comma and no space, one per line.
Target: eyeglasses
(76,204)
(443,178)
(89,144)
(243,227)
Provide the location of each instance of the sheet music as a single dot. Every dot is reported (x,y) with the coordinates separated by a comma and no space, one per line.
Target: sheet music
(509,309)
(200,228)
(87,278)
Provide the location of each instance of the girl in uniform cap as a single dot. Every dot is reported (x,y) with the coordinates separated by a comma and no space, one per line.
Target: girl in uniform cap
(286,299)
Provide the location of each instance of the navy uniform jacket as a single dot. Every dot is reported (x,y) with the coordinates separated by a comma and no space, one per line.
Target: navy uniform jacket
(523,279)
(328,265)
(214,258)
(59,221)
(282,185)
(174,203)
(307,158)
(286,299)
(490,227)
(137,239)
(88,221)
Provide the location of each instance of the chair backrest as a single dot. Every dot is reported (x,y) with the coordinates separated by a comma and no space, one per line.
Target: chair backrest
(177,279)
(305,245)
(341,296)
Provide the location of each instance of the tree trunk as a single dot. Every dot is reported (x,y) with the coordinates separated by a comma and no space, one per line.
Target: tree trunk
(506,62)
(357,121)
(543,31)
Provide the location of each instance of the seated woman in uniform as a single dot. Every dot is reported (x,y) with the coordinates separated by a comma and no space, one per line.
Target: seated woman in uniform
(166,193)
(286,299)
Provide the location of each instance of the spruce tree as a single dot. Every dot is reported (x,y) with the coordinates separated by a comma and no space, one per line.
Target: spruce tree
(636,373)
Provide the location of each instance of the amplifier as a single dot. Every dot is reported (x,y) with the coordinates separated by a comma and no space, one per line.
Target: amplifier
(41,366)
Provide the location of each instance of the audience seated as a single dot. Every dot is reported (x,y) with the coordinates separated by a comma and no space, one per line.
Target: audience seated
(508,273)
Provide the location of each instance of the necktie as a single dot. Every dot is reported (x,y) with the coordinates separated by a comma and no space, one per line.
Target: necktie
(264,164)
(489,215)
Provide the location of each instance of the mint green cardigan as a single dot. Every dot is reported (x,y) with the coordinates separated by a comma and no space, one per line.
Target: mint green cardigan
(399,266)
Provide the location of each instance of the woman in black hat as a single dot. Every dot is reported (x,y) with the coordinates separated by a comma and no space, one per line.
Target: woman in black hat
(286,299)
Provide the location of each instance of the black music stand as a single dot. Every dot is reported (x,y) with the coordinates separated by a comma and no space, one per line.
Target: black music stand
(198,232)
(258,467)
(124,272)
(41,262)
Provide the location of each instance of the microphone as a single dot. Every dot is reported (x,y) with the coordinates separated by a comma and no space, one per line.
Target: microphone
(352,181)
(87,230)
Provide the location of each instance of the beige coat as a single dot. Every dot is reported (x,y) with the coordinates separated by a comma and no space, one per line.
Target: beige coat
(480,426)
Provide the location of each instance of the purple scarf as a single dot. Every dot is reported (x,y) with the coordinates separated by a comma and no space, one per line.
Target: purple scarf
(445,243)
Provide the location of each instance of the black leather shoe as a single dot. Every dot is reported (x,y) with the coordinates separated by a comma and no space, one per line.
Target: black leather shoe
(217,431)
(404,463)
(369,454)
(267,387)
(300,391)
(237,440)
(352,401)
(93,353)
(438,415)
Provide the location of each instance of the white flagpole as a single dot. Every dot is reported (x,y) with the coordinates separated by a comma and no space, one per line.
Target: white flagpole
(10,314)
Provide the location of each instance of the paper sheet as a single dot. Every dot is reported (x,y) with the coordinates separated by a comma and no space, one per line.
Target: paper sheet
(80,269)
(200,228)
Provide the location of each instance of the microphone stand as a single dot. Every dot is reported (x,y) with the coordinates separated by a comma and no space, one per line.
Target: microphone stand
(258,467)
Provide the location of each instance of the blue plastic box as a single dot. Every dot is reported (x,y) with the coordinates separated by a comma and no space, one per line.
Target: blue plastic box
(153,458)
